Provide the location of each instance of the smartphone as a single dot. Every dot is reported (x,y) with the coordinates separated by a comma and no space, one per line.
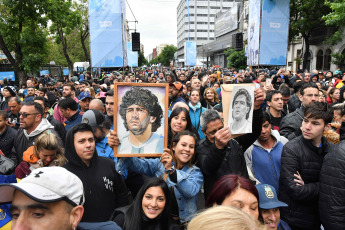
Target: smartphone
(268,81)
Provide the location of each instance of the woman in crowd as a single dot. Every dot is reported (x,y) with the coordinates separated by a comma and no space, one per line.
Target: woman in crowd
(176,166)
(236,191)
(223,217)
(210,98)
(45,152)
(333,96)
(322,95)
(91,91)
(195,111)
(178,121)
(149,210)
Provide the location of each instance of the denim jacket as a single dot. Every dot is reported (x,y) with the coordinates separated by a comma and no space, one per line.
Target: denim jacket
(189,182)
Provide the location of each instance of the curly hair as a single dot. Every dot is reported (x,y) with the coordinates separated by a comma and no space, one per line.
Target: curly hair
(248,99)
(142,97)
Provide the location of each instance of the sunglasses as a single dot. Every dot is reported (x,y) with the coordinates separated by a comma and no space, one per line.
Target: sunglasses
(25,115)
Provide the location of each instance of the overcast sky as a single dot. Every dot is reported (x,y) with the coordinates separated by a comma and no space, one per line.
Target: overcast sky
(156,22)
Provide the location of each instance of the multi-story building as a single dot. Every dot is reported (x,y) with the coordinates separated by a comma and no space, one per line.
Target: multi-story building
(160,48)
(199,26)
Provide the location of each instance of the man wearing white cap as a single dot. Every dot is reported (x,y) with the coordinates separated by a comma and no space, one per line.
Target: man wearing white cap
(49,198)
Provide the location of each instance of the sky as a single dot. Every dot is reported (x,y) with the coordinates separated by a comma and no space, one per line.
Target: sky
(157,23)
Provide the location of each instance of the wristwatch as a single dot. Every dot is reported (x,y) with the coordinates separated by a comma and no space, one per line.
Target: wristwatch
(172,168)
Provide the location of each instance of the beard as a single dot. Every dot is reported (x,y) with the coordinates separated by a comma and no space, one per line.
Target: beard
(141,128)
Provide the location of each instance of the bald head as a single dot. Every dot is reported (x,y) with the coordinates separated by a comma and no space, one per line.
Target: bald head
(180,104)
(97,104)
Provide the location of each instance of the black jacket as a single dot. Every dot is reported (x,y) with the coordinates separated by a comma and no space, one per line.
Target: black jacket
(291,124)
(58,127)
(215,163)
(332,187)
(7,141)
(104,188)
(301,155)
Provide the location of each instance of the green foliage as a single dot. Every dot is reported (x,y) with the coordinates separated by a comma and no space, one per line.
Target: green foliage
(141,59)
(338,59)
(154,61)
(236,59)
(335,18)
(167,55)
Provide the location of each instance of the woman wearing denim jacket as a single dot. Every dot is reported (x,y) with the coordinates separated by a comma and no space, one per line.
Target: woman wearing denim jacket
(184,178)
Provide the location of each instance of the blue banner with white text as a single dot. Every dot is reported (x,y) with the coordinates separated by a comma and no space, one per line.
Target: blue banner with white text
(132,56)
(274,32)
(190,53)
(106,36)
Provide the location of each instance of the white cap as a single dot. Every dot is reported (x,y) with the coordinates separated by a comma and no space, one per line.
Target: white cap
(46,185)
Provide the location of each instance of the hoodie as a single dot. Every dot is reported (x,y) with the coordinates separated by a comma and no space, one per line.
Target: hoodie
(264,164)
(104,188)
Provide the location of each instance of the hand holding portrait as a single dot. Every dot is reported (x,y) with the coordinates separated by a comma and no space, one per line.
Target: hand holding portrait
(259,98)
(222,138)
(167,159)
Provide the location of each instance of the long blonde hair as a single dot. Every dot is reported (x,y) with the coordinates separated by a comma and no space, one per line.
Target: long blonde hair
(216,98)
(224,218)
(49,141)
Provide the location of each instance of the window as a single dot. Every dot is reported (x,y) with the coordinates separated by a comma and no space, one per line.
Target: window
(319,60)
(327,60)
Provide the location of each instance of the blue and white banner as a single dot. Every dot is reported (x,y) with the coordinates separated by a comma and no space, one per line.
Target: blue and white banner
(190,53)
(274,32)
(8,75)
(106,33)
(44,72)
(254,32)
(65,72)
(132,56)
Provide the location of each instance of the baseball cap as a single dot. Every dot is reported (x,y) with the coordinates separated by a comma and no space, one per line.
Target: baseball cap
(93,118)
(337,72)
(83,95)
(268,197)
(76,82)
(227,79)
(46,185)
(178,85)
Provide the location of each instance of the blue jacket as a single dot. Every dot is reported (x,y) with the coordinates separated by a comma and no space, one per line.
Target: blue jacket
(189,182)
(104,150)
(264,165)
(194,113)
(172,103)
(74,120)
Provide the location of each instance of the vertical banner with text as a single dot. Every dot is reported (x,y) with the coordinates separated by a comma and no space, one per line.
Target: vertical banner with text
(274,32)
(132,56)
(254,32)
(190,53)
(106,33)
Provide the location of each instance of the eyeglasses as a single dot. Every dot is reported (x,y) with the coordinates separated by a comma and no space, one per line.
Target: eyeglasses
(25,115)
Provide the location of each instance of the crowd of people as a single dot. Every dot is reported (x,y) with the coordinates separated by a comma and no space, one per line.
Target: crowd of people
(57,138)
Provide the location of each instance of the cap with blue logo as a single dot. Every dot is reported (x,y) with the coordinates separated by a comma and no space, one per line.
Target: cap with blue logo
(268,197)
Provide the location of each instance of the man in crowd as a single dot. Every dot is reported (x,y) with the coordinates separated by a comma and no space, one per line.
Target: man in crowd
(97,104)
(217,155)
(32,125)
(286,95)
(109,106)
(301,164)
(15,104)
(68,91)
(263,156)
(82,86)
(9,91)
(84,102)
(69,109)
(290,124)
(104,188)
(7,135)
(48,198)
(58,126)
(31,94)
(174,94)
(142,115)
(275,108)
(294,100)
(269,208)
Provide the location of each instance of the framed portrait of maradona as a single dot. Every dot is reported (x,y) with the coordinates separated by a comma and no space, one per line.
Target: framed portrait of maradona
(141,119)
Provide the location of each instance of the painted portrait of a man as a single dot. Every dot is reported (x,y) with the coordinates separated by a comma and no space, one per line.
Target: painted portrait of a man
(142,115)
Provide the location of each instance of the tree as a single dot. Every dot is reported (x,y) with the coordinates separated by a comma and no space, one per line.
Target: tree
(154,61)
(335,18)
(22,31)
(338,59)
(305,18)
(236,59)
(167,55)
(141,59)
(84,29)
(64,19)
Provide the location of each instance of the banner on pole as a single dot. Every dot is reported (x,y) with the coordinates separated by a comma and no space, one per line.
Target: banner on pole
(254,32)
(132,56)
(190,53)
(106,33)
(8,75)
